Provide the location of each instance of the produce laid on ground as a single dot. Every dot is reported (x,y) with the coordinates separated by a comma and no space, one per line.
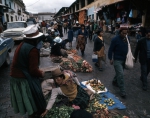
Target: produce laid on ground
(76,64)
(109,101)
(96,85)
(72,51)
(69,64)
(60,112)
(56,59)
(100,110)
(62,109)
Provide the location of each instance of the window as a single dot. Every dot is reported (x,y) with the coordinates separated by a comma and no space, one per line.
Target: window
(7,17)
(14,5)
(1,1)
(10,4)
(5,2)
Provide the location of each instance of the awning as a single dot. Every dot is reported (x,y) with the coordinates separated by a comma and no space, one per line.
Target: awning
(87,7)
(99,3)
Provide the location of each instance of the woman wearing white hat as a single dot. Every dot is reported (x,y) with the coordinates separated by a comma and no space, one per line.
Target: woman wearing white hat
(25,90)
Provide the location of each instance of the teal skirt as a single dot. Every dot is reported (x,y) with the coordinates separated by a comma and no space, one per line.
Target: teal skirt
(21,97)
(82,99)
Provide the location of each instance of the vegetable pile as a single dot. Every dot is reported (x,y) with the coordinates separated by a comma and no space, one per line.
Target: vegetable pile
(76,64)
(60,112)
(72,51)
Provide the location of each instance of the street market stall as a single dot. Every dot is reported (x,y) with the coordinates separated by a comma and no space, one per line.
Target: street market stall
(74,62)
(101,105)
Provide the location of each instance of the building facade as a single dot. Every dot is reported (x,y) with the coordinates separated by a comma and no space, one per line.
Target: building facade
(45,16)
(14,11)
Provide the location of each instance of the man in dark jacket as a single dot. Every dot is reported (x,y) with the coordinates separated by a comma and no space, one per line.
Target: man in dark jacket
(143,50)
(117,55)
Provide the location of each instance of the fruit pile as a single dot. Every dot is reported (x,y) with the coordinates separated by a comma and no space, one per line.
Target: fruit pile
(100,110)
(96,85)
(109,101)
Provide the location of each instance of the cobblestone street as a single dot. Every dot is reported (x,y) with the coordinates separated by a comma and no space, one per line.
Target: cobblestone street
(137,100)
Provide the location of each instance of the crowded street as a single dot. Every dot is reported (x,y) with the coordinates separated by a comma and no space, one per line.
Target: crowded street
(74,59)
(136,101)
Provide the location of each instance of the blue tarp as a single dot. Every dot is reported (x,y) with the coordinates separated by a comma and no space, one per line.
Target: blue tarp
(118,104)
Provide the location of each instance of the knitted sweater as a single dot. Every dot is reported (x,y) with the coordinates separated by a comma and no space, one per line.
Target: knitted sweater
(69,88)
(118,49)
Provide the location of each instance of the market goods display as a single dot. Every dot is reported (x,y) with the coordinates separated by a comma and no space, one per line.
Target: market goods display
(109,101)
(56,59)
(95,86)
(76,64)
(69,64)
(100,110)
(60,112)
(72,51)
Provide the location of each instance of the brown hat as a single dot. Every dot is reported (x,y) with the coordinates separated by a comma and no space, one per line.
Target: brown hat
(56,72)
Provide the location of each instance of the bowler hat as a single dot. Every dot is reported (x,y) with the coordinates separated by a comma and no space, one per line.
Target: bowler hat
(57,72)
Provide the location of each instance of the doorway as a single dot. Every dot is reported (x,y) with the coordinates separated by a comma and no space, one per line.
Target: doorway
(7,17)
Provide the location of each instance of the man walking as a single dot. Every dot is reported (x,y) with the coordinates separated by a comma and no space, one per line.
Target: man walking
(143,50)
(117,55)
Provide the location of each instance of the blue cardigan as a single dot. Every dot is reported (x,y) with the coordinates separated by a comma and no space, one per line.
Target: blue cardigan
(118,49)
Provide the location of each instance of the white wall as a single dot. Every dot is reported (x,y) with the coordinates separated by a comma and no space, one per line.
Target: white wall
(45,17)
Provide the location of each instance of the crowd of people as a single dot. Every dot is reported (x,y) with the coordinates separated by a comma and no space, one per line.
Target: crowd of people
(25,89)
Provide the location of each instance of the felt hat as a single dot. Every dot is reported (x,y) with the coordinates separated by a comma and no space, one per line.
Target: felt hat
(32,32)
(57,72)
(58,40)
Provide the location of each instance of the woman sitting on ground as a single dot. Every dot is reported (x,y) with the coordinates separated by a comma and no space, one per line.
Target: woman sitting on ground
(69,87)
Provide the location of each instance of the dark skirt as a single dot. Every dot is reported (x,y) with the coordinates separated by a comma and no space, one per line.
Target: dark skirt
(82,98)
(22,99)
(35,86)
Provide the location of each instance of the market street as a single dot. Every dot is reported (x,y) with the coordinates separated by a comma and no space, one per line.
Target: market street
(137,101)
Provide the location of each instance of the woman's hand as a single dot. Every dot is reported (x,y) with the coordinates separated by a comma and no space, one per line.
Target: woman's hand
(44,113)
